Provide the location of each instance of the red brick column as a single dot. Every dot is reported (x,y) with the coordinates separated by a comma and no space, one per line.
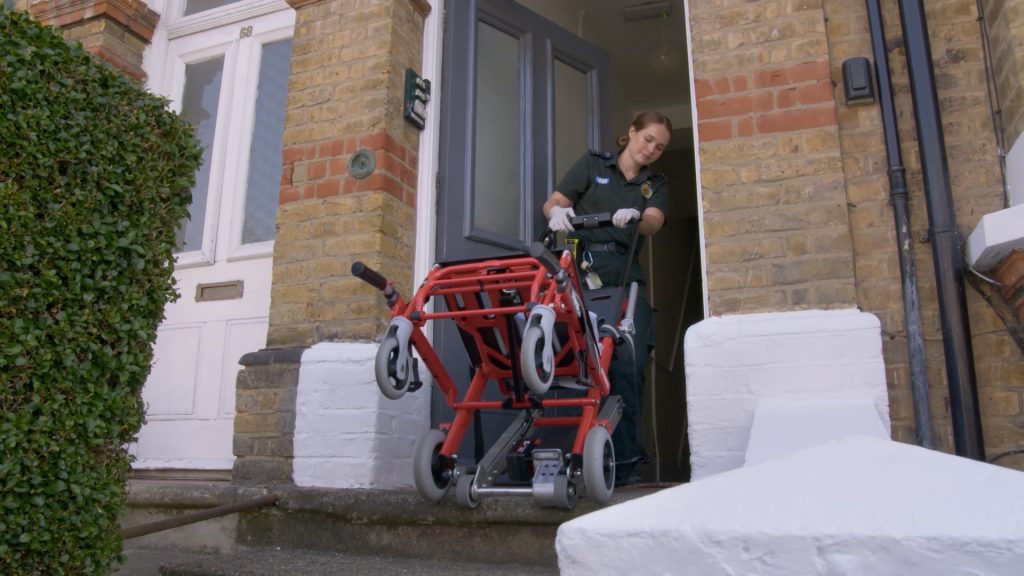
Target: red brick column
(1010,275)
(117,31)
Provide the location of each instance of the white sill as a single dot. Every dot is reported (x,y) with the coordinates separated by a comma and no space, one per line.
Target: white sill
(998,234)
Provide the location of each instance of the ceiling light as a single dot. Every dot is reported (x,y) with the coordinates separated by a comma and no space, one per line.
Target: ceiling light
(646,10)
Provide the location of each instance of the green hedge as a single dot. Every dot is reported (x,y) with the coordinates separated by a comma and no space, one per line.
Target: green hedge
(95,175)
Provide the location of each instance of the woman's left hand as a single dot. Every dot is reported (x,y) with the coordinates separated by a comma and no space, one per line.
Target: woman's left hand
(624,216)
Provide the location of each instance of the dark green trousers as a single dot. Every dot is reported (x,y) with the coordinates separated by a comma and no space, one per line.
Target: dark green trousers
(627,381)
(627,371)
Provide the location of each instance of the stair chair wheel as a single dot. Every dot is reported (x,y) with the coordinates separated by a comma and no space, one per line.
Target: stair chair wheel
(431,478)
(565,492)
(392,379)
(536,360)
(464,494)
(599,464)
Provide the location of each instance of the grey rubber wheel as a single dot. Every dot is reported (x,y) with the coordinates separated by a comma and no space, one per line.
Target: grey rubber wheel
(464,492)
(538,380)
(386,368)
(432,480)
(599,464)
(565,492)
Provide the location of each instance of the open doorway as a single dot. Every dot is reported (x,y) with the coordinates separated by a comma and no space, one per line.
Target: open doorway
(646,44)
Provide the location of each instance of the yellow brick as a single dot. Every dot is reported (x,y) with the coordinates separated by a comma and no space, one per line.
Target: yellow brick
(246,423)
(747,301)
(745,250)
(294,293)
(794,167)
(297,251)
(291,335)
(1000,403)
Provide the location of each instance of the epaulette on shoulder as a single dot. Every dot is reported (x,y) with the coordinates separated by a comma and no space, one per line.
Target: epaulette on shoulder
(599,154)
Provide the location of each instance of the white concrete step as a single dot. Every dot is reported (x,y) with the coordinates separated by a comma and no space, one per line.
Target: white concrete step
(855,506)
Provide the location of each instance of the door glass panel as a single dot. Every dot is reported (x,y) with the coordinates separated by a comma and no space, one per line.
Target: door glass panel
(497,177)
(194,6)
(199,107)
(572,119)
(264,181)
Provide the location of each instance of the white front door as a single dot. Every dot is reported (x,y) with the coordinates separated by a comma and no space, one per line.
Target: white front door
(226,71)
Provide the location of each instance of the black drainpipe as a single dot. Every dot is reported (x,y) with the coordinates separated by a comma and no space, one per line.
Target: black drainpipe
(898,199)
(946,254)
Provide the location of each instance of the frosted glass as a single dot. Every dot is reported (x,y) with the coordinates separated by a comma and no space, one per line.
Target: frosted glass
(264,181)
(199,106)
(498,172)
(571,116)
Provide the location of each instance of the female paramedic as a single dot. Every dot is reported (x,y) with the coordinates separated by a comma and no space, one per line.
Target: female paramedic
(623,185)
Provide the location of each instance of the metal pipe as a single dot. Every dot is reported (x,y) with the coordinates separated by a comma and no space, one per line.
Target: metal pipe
(946,253)
(504,491)
(993,98)
(904,239)
(199,516)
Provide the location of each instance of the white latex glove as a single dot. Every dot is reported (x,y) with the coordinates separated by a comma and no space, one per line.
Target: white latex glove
(623,216)
(559,221)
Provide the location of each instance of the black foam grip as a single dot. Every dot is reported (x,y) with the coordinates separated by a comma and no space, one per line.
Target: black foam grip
(369,275)
(546,258)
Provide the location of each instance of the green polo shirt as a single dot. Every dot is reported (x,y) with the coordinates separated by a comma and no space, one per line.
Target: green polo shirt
(596,184)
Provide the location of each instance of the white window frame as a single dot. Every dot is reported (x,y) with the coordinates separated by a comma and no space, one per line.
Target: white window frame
(196,49)
(185,40)
(249,69)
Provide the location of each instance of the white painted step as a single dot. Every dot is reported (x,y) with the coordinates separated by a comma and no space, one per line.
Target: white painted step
(857,506)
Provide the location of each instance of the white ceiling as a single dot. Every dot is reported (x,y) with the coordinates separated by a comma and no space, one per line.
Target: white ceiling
(633,48)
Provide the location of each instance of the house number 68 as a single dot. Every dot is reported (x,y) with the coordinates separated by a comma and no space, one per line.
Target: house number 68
(245,32)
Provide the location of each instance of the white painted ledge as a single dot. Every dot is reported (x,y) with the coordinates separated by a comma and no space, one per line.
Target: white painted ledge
(347,434)
(858,506)
(783,427)
(734,364)
(995,237)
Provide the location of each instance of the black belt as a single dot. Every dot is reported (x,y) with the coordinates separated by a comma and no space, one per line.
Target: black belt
(607,247)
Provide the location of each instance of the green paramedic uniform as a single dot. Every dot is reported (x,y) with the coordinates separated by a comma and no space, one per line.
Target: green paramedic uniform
(595,184)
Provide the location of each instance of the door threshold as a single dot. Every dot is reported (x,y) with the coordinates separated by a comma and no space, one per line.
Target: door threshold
(180,474)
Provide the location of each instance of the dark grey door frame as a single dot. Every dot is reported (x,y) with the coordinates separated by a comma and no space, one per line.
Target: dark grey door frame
(541,42)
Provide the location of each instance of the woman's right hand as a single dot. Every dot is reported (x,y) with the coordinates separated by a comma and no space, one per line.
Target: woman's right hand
(559,220)
(624,216)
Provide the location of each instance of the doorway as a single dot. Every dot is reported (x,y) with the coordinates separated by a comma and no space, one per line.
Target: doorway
(628,57)
(233,90)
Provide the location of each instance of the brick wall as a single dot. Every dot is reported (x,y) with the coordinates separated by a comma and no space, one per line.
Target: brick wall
(345,95)
(1010,275)
(775,218)
(794,183)
(1005,24)
(117,31)
(976,183)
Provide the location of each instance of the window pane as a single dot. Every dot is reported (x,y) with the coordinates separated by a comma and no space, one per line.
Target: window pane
(264,181)
(571,126)
(199,107)
(194,6)
(496,185)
